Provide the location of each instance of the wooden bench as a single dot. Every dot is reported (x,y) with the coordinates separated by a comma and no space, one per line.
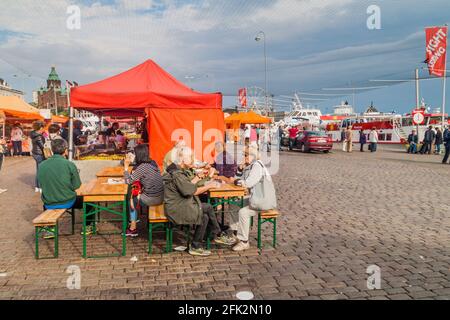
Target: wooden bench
(157,219)
(47,221)
(268,216)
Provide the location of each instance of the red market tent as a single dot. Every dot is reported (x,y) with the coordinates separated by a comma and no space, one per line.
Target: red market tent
(173,110)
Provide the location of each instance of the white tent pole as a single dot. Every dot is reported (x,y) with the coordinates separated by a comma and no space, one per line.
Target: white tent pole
(70,137)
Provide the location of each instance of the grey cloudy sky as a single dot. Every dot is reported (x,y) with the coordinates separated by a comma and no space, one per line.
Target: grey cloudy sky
(311,44)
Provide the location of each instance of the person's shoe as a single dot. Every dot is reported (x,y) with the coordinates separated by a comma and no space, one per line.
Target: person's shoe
(89,231)
(199,252)
(3,190)
(241,246)
(132,233)
(36,190)
(225,240)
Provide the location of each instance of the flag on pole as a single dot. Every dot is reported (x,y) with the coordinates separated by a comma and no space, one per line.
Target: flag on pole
(243,97)
(436,47)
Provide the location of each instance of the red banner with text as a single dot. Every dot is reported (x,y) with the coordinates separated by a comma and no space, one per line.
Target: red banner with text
(436,47)
(243,97)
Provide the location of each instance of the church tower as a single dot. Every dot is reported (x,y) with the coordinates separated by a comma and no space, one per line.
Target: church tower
(53,79)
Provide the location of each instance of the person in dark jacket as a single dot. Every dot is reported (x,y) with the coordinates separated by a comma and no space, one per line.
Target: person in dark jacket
(413,139)
(37,150)
(438,140)
(182,205)
(428,139)
(447,145)
(362,140)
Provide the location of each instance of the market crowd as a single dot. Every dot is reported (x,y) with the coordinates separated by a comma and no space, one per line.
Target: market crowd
(181,186)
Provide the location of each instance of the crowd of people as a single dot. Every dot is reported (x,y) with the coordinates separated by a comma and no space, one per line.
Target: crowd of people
(432,141)
(181,187)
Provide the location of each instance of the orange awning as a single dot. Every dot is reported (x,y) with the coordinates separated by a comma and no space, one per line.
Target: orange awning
(247,118)
(59,119)
(16,108)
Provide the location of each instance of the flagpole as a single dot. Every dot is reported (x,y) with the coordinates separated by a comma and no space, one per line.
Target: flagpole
(445,78)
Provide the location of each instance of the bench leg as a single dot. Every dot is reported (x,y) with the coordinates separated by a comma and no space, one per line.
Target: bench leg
(37,231)
(259,231)
(274,241)
(150,238)
(72,212)
(171,237)
(84,230)
(55,232)
(167,237)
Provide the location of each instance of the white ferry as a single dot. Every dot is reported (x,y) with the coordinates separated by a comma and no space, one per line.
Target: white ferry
(392,128)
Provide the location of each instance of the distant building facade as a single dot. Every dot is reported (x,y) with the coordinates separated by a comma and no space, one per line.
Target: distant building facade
(54,96)
(6,90)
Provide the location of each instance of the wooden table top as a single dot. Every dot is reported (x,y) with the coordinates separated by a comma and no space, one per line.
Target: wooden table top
(227,190)
(100,187)
(112,172)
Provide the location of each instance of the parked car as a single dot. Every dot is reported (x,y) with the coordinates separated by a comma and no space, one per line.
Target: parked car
(313,140)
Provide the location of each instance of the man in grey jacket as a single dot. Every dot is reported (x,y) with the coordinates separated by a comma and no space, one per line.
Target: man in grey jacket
(253,172)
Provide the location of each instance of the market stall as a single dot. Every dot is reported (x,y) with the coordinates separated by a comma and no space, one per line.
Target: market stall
(14,109)
(173,110)
(234,121)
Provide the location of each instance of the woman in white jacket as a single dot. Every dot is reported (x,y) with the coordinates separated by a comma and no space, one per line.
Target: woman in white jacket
(373,139)
(253,174)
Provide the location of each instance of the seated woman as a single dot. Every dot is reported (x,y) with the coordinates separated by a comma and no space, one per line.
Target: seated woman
(147,172)
(183,206)
(254,176)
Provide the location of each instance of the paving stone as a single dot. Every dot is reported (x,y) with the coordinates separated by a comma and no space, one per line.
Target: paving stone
(332,228)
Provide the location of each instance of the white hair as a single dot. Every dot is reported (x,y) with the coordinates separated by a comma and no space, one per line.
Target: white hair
(184,153)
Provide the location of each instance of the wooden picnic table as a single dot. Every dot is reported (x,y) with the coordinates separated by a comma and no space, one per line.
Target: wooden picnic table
(98,195)
(112,172)
(226,194)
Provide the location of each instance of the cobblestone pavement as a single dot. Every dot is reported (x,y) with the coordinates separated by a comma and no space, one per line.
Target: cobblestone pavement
(340,214)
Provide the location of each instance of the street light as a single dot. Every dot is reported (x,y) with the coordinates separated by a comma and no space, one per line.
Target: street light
(261,35)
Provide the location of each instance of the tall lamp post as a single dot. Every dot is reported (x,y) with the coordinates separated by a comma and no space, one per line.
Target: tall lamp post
(261,35)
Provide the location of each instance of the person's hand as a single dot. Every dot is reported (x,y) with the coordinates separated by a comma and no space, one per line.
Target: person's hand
(212,172)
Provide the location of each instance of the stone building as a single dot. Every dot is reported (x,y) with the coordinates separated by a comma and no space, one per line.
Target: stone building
(54,96)
(6,90)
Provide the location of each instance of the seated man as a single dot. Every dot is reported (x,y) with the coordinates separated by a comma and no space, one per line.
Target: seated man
(182,204)
(59,180)
(224,163)
(412,140)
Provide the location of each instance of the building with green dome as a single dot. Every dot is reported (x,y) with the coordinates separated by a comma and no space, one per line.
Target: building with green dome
(54,96)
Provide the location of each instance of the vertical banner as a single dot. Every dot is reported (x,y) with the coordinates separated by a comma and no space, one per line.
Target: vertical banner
(436,47)
(243,97)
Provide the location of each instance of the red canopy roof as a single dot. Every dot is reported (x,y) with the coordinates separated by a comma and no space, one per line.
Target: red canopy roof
(144,86)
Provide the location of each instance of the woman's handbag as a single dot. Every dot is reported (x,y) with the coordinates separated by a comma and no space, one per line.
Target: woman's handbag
(263,195)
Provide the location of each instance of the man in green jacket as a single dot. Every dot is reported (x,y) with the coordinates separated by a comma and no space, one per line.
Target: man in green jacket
(59,180)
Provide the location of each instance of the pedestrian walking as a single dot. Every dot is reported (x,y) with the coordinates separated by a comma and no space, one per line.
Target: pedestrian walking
(438,140)
(373,139)
(362,140)
(447,145)
(349,139)
(16,139)
(428,139)
(37,151)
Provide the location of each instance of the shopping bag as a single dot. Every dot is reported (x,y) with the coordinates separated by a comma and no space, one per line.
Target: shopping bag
(344,146)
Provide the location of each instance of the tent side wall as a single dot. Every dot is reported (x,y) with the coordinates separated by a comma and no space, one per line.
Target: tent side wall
(199,128)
